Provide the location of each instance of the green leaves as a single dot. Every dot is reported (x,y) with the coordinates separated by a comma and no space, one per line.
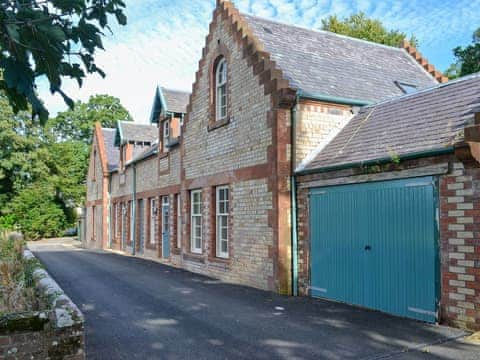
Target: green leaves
(361,27)
(77,124)
(38,38)
(43,168)
(467,58)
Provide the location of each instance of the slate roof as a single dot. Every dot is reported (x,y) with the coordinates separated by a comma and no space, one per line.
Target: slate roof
(145,153)
(321,62)
(130,131)
(177,101)
(432,119)
(113,152)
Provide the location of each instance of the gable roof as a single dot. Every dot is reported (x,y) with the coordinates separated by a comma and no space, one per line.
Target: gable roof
(132,132)
(429,120)
(328,64)
(168,100)
(112,151)
(176,101)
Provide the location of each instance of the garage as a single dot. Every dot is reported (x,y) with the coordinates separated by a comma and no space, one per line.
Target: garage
(376,245)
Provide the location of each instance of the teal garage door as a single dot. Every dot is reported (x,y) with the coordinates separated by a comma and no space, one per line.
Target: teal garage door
(374,245)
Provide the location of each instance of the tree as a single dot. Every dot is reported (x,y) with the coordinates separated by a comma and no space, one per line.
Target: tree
(37,212)
(77,124)
(50,39)
(467,58)
(361,27)
(22,152)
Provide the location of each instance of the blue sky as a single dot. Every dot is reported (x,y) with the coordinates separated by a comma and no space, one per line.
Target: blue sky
(163,40)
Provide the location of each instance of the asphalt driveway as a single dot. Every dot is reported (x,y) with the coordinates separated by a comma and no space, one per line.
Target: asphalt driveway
(139,309)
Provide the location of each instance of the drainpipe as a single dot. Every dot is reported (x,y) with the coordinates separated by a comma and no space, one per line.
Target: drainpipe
(134,209)
(293,190)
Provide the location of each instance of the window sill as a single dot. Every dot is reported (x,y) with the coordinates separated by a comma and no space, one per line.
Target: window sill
(218,124)
(220,260)
(194,257)
(172,143)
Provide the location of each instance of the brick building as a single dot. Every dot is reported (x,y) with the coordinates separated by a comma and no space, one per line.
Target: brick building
(211,185)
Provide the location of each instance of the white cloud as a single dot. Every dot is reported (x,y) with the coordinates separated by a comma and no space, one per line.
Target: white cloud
(163,40)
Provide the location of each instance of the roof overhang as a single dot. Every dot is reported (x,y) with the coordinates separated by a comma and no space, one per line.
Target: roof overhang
(379,161)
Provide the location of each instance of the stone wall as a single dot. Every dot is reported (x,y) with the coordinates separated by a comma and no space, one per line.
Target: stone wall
(234,153)
(95,197)
(57,332)
(316,122)
(459,243)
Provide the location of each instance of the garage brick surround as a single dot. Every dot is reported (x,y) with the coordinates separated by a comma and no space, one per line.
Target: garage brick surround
(459,229)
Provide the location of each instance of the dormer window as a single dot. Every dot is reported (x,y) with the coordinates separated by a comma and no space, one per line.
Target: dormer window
(221,89)
(166,134)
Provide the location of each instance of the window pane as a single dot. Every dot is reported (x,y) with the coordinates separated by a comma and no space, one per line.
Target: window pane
(224,248)
(224,233)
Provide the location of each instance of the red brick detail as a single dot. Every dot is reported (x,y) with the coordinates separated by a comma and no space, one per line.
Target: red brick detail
(412,51)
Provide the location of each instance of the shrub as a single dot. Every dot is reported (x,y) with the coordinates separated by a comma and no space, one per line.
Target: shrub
(37,213)
(16,285)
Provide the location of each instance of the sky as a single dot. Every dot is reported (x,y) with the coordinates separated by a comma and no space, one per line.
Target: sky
(163,40)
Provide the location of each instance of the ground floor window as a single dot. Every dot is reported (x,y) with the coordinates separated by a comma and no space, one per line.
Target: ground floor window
(94,225)
(115,223)
(132,221)
(153,220)
(196,221)
(222,211)
(179,222)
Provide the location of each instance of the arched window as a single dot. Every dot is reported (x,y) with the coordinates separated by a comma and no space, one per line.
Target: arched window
(221,89)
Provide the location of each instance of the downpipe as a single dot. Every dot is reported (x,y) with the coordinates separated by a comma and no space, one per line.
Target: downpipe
(293,210)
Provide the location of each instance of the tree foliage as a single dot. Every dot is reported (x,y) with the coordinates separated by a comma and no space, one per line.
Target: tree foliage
(467,58)
(77,124)
(43,168)
(361,27)
(50,39)
(37,211)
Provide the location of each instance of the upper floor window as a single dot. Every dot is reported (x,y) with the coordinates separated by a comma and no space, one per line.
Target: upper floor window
(94,165)
(166,134)
(221,89)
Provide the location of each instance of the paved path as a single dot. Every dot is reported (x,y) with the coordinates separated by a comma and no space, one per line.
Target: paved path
(138,309)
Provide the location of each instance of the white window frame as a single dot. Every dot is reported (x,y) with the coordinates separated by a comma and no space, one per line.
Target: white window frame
(94,223)
(153,221)
(221,80)
(132,223)
(196,221)
(222,218)
(166,134)
(179,222)
(115,222)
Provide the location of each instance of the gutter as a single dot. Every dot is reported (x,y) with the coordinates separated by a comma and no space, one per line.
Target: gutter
(332,99)
(378,161)
(293,189)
